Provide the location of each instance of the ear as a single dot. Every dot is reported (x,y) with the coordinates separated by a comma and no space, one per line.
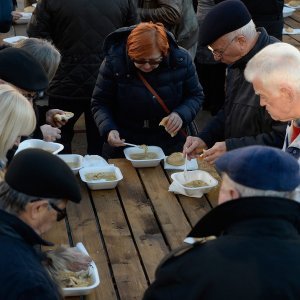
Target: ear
(35,209)
(234,193)
(287,94)
(242,41)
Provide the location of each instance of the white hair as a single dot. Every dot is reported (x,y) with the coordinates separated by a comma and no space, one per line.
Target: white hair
(275,64)
(248,31)
(246,191)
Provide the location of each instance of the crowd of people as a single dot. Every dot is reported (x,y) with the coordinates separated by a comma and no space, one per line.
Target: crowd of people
(130,65)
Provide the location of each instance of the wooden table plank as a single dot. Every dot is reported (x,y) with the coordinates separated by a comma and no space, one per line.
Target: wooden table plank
(166,206)
(146,232)
(127,270)
(84,229)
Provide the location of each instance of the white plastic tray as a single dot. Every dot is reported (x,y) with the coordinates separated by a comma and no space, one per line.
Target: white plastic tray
(94,274)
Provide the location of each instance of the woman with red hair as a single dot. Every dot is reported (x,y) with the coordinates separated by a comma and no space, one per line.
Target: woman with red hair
(126,109)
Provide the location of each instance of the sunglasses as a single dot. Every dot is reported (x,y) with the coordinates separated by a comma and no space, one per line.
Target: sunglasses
(151,62)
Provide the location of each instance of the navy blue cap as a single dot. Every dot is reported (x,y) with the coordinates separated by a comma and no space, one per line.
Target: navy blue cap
(22,70)
(261,167)
(36,172)
(224,17)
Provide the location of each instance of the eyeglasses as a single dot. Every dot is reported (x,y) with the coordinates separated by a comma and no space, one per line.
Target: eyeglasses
(151,62)
(61,212)
(219,53)
(31,96)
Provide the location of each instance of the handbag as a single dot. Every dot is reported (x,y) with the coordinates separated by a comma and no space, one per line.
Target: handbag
(158,98)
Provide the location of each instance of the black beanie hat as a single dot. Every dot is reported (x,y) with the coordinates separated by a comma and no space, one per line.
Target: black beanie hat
(22,70)
(36,172)
(225,17)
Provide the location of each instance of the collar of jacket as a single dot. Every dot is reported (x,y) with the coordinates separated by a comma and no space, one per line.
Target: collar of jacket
(233,212)
(11,225)
(263,40)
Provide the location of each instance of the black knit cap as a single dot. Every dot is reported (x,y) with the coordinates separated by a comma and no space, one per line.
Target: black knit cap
(22,70)
(36,172)
(225,17)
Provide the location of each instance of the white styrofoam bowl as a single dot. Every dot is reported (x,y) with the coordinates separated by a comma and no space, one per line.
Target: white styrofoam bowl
(101,184)
(181,179)
(73,158)
(51,147)
(14,39)
(144,163)
(77,291)
(287,11)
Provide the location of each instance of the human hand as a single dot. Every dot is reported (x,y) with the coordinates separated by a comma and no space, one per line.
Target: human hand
(193,147)
(50,134)
(16,15)
(174,123)
(114,139)
(52,121)
(212,154)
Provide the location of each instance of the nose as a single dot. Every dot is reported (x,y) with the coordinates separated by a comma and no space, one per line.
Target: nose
(262,102)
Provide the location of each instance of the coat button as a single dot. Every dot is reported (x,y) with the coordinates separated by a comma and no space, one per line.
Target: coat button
(117,74)
(127,75)
(181,59)
(153,97)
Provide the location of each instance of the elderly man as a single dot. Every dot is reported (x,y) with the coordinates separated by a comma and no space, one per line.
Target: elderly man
(33,197)
(234,41)
(253,249)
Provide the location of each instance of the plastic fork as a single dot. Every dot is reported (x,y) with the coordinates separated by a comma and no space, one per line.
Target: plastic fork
(132,145)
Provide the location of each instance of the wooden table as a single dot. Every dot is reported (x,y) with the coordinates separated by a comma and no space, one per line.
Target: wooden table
(294,22)
(128,230)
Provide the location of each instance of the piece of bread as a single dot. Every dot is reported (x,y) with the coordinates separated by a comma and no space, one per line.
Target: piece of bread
(294,3)
(175,159)
(164,122)
(63,117)
(289,29)
(29,9)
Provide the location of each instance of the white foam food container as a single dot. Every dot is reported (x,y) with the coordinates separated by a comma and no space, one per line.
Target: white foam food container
(144,163)
(74,159)
(181,179)
(77,291)
(14,39)
(101,184)
(51,147)
(287,11)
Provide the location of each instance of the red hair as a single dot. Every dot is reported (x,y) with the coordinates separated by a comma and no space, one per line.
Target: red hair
(145,38)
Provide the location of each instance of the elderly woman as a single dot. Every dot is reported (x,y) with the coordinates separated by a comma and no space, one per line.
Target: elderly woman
(123,104)
(17,119)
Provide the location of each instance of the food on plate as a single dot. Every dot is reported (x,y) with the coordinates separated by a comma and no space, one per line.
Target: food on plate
(73,164)
(175,159)
(195,184)
(289,29)
(108,176)
(69,267)
(164,122)
(29,9)
(63,117)
(294,3)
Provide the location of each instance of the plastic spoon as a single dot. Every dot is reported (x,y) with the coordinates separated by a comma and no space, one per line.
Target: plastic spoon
(132,145)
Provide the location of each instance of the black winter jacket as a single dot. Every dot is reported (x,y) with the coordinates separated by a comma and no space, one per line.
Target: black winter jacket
(22,273)
(78,29)
(242,121)
(122,102)
(256,255)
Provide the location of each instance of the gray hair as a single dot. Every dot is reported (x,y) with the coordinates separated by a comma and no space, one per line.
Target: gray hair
(246,191)
(15,202)
(275,64)
(248,31)
(44,52)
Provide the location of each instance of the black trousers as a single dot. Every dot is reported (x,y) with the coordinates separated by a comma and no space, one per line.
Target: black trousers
(94,141)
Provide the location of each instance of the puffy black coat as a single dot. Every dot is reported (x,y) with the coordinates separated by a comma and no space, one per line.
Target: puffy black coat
(22,273)
(78,29)
(255,257)
(242,121)
(122,102)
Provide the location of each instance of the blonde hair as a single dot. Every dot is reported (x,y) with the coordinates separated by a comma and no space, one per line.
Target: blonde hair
(44,52)
(17,118)
(275,64)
